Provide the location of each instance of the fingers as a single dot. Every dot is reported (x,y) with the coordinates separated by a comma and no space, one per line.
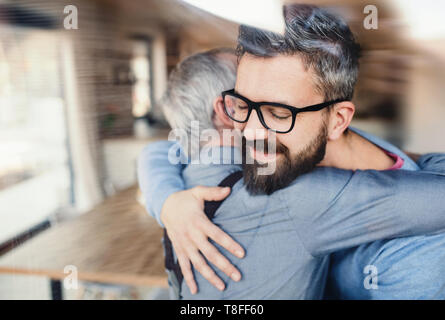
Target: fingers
(221,238)
(189,233)
(203,268)
(211,193)
(221,262)
(186,269)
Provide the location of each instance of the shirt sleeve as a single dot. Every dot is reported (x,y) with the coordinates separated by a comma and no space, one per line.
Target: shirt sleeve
(432,162)
(160,166)
(348,208)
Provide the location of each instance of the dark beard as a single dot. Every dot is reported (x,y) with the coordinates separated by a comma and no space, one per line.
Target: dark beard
(287,169)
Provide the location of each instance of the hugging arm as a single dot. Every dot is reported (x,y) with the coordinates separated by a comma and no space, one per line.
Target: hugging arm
(432,162)
(375,205)
(365,206)
(181,213)
(158,178)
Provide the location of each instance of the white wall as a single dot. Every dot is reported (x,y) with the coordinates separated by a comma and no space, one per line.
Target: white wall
(121,156)
(425,112)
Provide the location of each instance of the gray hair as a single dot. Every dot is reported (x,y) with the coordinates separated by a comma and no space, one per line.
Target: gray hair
(321,39)
(193,86)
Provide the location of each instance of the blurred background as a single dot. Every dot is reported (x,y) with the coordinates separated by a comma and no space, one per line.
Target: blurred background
(78,105)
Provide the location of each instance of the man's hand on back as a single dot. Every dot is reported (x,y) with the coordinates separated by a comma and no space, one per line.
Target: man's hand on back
(189,230)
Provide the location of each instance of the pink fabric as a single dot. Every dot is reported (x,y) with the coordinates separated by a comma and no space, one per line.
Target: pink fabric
(398,161)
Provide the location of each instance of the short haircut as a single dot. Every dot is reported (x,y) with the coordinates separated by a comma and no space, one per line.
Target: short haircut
(193,86)
(320,38)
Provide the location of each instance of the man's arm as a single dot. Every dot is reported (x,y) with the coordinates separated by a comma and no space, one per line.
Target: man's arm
(158,178)
(432,162)
(181,212)
(371,205)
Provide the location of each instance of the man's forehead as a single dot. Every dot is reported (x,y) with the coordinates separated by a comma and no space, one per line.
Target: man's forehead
(281,78)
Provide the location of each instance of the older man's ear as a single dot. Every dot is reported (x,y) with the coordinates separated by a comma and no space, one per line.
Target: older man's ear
(220,118)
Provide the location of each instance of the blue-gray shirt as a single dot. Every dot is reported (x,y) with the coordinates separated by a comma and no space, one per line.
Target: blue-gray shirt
(403,268)
(289,235)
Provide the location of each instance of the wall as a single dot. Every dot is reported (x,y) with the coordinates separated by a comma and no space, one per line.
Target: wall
(425,100)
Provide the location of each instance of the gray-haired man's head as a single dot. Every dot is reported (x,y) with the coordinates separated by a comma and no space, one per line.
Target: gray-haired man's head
(194,85)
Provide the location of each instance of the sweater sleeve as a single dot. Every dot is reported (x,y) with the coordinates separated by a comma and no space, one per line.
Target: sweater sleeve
(159,172)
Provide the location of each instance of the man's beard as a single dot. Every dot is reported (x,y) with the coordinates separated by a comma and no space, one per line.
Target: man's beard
(288,168)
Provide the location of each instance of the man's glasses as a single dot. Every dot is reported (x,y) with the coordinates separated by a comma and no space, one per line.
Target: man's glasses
(274,116)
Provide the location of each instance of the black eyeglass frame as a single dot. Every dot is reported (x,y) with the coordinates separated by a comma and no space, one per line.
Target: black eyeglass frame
(256,105)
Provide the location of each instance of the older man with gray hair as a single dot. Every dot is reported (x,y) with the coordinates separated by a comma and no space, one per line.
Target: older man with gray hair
(193,95)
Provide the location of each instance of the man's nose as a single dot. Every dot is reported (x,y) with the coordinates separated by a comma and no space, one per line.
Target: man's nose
(254,130)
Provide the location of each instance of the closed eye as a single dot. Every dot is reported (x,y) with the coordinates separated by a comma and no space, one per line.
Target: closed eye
(280,117)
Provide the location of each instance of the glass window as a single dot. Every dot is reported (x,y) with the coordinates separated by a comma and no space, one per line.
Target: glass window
(34,167)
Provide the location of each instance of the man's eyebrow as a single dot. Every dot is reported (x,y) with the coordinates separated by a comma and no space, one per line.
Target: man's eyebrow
(237,92)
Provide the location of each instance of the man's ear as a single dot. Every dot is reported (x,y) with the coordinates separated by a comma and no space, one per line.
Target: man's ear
(340,118)
(220,118)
